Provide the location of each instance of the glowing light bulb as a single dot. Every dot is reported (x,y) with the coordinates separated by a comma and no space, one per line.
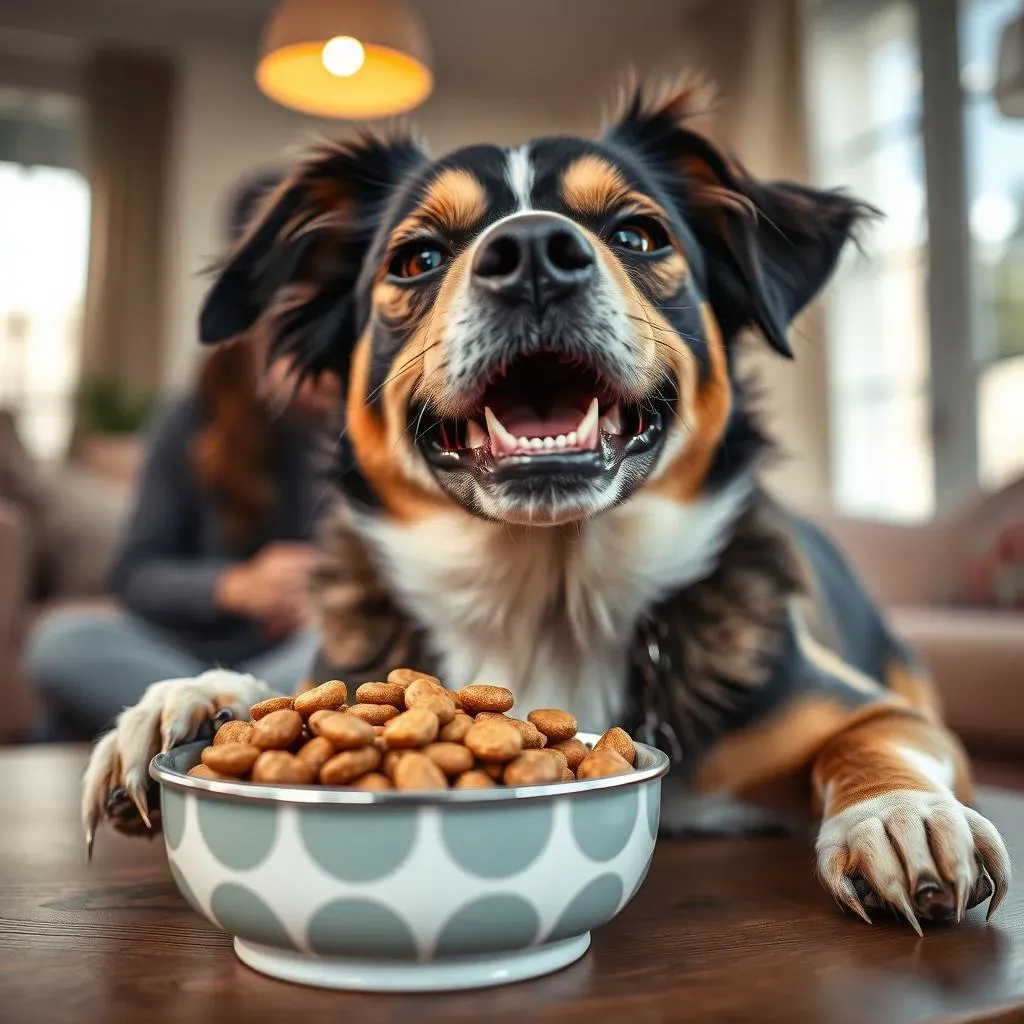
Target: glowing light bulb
(343,56)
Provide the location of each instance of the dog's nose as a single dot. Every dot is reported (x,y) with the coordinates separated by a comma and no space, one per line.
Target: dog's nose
(536,257)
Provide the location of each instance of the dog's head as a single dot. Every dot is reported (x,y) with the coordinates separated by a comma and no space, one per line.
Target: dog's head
(536,333)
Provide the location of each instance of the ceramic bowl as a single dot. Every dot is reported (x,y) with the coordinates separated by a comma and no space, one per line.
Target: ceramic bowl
(417,891)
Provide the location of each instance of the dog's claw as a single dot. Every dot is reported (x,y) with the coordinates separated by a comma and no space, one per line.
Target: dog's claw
(902,904)
(225,714)
(90,838)
(849,898)
(962,892)
(138,797)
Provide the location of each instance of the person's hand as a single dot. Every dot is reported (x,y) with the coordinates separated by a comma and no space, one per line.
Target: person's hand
(271,587)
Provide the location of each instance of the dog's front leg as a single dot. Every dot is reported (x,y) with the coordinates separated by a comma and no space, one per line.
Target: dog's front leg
(114,785)
(896,827)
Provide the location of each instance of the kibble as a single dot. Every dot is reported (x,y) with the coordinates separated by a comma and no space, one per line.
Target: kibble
(327,697)
(277,730)
(481,697)
(408,733)
(265,707)
(382,693)
(233,732)
(374,714)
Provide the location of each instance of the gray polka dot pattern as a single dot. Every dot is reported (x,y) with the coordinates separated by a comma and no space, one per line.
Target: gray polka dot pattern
(358,845)
(498,842)
(239,911)
(239,836)
(489,924)
(411,883)
(360,928)
(602,823)
(172,812)
(594,904)
(652,798)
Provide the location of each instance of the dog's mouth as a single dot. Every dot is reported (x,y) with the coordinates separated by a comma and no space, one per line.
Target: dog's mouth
(546,415)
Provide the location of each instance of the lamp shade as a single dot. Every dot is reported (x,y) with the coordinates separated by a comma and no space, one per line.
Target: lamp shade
(1009,88)
(351,59)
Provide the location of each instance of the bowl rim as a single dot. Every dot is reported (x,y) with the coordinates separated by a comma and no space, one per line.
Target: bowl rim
(161,769)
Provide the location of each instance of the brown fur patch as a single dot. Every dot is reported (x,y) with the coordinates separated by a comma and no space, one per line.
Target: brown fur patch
(381,438)
(454,203)
(591,186)
(865,761)
(380,443)
(669,274)
(784,744)
(705,411)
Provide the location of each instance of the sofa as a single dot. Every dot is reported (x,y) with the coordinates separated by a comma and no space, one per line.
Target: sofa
(922,574)
(58,530)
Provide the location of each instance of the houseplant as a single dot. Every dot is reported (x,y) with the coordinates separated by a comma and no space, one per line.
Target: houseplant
(111,418)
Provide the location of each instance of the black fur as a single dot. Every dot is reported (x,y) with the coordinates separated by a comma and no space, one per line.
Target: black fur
(768,247)
(301,262)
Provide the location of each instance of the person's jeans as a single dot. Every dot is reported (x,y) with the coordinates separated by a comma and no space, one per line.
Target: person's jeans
(90,665)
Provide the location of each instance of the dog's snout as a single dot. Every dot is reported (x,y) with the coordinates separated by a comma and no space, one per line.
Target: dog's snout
(534,258)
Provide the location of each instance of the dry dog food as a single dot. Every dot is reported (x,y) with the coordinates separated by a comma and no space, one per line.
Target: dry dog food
(409,733)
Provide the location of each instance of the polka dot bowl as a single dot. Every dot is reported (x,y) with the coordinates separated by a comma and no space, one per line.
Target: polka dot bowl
(398,891)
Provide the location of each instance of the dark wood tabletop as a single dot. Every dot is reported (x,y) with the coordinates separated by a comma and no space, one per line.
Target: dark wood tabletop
(723,930)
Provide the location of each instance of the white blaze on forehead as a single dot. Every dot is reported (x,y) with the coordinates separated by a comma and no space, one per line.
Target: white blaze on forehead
(519,172)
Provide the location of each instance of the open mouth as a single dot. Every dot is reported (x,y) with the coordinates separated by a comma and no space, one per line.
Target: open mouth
(548,413)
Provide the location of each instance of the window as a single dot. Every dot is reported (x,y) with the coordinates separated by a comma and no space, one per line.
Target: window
(44,246)
(908,441)
(995,186)
(865,112)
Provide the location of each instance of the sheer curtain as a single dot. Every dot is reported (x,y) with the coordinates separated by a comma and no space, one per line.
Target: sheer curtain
(129,99)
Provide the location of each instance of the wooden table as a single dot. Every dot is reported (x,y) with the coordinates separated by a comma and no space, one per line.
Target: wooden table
(723,930)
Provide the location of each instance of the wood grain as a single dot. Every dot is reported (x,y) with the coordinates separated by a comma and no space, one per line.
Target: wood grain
(723,930)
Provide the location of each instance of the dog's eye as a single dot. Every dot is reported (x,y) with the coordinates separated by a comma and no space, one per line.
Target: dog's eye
(644,235)
(417,260)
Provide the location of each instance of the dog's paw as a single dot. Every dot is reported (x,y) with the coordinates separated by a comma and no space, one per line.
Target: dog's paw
(116,779)
(920,854)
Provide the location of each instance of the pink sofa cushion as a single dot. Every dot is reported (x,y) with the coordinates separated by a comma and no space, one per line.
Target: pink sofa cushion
(976,657)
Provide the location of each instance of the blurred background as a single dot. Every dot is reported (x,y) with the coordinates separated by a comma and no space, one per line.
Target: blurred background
(130,128)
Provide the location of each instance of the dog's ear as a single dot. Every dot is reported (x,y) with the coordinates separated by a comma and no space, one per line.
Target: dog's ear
(295,270)
(768,247)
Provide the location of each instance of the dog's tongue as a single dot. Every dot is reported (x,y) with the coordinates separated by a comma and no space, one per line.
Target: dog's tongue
(524,421)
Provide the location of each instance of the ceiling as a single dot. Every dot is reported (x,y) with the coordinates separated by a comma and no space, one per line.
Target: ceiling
(528,49)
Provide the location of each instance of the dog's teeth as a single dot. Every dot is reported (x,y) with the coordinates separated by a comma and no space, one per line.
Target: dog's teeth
(549,442)
(587,432)
(560,441)
(570,439)
(476,437)
(502,442)
(611,421)
(536,444)
(523,442)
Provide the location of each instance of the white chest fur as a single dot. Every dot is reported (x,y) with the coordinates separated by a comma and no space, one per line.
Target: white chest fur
(549,611)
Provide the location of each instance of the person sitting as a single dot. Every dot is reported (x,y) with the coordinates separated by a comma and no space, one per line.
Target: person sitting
(215,562)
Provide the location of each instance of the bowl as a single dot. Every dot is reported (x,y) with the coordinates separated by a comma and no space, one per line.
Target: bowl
(409,891)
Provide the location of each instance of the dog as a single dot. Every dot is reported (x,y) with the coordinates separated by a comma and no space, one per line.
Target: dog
(548,480)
